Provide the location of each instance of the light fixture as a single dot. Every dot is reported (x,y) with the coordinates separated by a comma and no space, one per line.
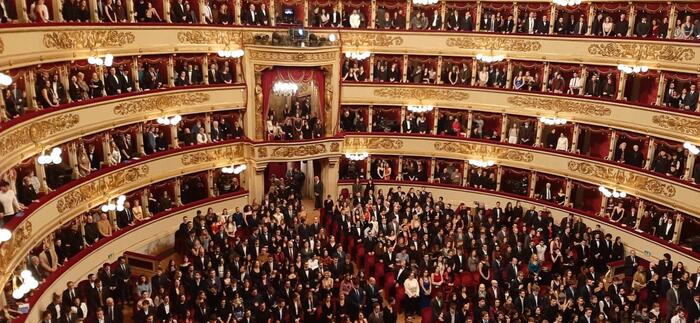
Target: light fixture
(234,169)
(693,149)
(630,69)
(5,235)
(226,53)
(419,108)
(5,80)
(358,55)
(332,37)
(424,2)
(174,120)
(53,158)
(611,193)
(490,58)
(481,163)
(552,121)
(118,206)
(28,283)
(99,61)
(565,3)
(285,88)
(357,156)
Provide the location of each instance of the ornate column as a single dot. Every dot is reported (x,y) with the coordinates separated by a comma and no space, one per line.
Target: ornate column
(545,76)
(465,174)
(613,144)
(368,172)
(272,14)
(584,75)
(210,183)
(73,160)
(679,227)
(139,141)
(574,140)
(433,170)
(371,67)
(94,13)
(370,117)
(399,169)
(3,116)
(436,113)
(650,154)
(106,149)
(306,13)
(477,19)
(237,11)
(661,89)
(41,174)
(640,211)
(568,189)
(239,71)
(129,6)
(403,115)
(621,86)
(171,69)
(22,16)
(591,17)
(256,180)
(166,11)
(135,73)
(504,128)
(443,14)
(177,188)
(29,81)
(57,8)
(404,72)
(174,143)
(372,15)
(552,18)
(205,70)
(671,20)
(516,12)
(207,123)
(144,202)
(603,206)
(475,66)
(632,18)
(470,120)
(509,75)
(329,176)
(689,165)
(439,70)
(499,175)
(538,135)
(409,8)
(533,183)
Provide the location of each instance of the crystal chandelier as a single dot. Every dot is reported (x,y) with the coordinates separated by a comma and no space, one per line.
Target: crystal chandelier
(119,206)
(358,55)
(53,158)
(565,3)
(357,156)
(424,2)
(230,53)
(234,169)
(285,88)
(29,283)
(420,108)
(169,121)
(552,121)
(5,80)
(5,235)
(693,149)
(481,163)
(490,58)
(99,61)
(614,193)
(629,69)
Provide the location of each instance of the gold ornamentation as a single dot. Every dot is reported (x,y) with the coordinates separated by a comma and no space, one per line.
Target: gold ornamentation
(335,147)
(623,177)
(87,39)
(298,151)
(370,40)
(262,152)
(421,94)
(36,131)
(100,186)
(11,249)
(212,155)
(494,43)
(373,143)
(202,37)
(560,105)
(683,125)
(292,57)
(485,151)
(641,51)
(2,46)
(160,102)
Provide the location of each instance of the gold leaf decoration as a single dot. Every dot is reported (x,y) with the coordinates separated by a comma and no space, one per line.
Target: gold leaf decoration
(212,155)
(679,124)
(623,177)
(87,39)
(292,57)
(486,151)
(422,94)
(560,105)
(494,43)
(373,143)
(160,102)
(298,151)
(9,250)
(35,132)
(370,40)
(100,186)
(335,147)
(262,152)
(2,46)
(642,51)
(202,37)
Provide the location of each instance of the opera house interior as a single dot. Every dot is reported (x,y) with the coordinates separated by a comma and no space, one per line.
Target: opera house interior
(350,161)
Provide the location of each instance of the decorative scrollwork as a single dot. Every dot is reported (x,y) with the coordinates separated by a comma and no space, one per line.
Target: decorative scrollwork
(370,40)
(373,143)
(298,151)
(212,155)
(680,124)
(421,94)
(292,57)
(485,151)
(624,178)
(335,147)
(2,46)
(560,105)
(10,249)
(36,131)
(160,102)
(262,152)
(87,39)
(494,43)
(201,37)
(641,51)
(100,187)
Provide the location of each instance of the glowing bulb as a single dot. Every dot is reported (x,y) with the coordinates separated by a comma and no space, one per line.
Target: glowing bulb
(56,159)
(105,208)
(5,235)
(17,294)
(32,283)
(108,60)
(332,37)
(26,274)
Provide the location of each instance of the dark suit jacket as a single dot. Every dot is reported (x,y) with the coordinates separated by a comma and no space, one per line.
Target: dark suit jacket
(112,84)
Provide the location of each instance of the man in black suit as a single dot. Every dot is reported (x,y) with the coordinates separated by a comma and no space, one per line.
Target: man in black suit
(112,84)
(694,308)
(124,80)
(547,193)
(318,193)
(178,14)
(70,294)
(125,217)
(530,24)
(691,100)
(543,26)
(113,313)
(621,27)
(122,276)
(580,27)
(631,263)
(250,16)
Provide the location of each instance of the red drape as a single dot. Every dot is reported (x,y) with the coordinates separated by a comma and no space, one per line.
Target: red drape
(295,75)
(599,141)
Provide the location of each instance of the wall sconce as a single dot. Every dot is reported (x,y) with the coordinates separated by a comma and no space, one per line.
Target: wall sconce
(99,61)
(5,80)
(357,156)
(5,235)
(234,169)
(419,108)
(614,193)
(552,121)
(481,163)
(358,55)
(169,121)
(28,284)
(53,158)
(693,149)
(119,206)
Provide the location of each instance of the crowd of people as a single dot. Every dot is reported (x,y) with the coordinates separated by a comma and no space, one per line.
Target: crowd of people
(374,256)
(296,121)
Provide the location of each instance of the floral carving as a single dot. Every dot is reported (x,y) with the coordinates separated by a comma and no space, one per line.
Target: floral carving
(13,248)
(36,131)
(212,155)
(623,177)
(479,150)
(373,143)
(100,186)
(292,57)
(370,40)
(560,105)
(2,46)
(494,43)
(335,147)
(420,94)
(298,151)
(200,37)
(641,51)
(262,152)
(160,102)
(679,124)
(87,39)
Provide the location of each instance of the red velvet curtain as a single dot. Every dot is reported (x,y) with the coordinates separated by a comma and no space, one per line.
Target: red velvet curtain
(294,75)
(591,198)
(599,141)
(541,8)
(392,5)
(612,8)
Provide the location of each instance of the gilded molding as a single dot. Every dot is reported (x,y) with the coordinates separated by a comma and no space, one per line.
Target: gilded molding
(640,51)
(202,37)
(211,155)
(494,43)
(36,131)
(2,46)
(623,177)
(299,151)
(335,147)
(100,186)
(679,124)
(292,56)
(160,102)
(9,249)
(479,150)
(422,94)
(373,143)
(87,39)
(560,105)
(370,40)
(262,152)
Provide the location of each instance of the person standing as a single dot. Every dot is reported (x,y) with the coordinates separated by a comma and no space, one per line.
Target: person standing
(318,193)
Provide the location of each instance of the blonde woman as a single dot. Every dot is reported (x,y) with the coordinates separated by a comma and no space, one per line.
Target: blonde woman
(115,157)
(137,210)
